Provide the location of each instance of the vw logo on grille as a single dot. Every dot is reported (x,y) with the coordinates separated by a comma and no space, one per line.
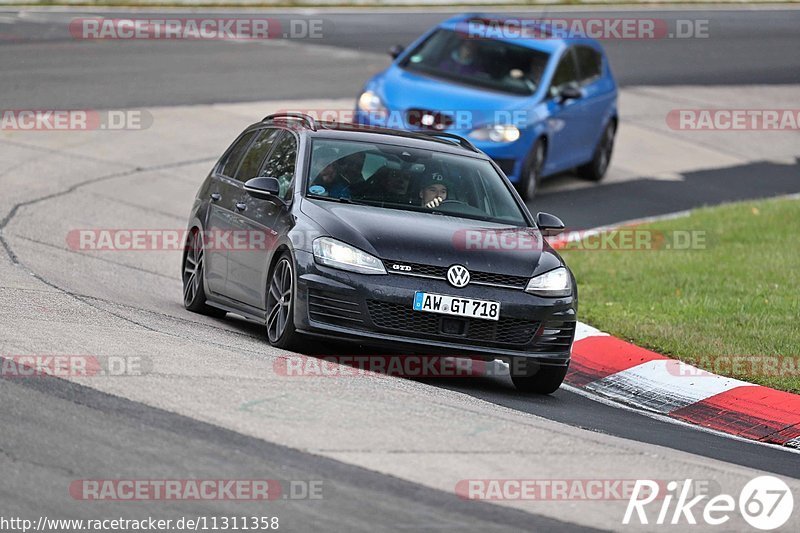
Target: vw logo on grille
(458,276)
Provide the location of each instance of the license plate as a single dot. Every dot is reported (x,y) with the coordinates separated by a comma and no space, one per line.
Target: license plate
(454,305)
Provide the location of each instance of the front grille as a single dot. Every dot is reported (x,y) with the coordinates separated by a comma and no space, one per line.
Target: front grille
(425,119)
(334,308)
(417,269)
(555,336)
(438,272)
(396,317)
(517,282)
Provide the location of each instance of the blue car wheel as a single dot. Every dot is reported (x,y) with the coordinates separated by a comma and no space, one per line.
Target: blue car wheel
(531,176)
(595,169)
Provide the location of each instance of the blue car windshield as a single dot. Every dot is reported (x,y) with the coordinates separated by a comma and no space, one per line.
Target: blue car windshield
(410,179)
(484,63)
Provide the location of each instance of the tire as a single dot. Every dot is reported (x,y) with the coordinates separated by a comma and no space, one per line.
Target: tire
(194,294)
(531,177)
(537,379)
(595,170)
(281,331)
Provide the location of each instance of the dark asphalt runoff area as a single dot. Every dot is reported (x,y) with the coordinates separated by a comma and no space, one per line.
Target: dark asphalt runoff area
(132,441)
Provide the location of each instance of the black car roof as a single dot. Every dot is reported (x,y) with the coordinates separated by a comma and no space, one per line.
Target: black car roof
(433,140)
(397,137)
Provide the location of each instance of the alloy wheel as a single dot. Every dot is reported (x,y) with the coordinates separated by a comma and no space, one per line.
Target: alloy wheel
(279,300)
(193,269)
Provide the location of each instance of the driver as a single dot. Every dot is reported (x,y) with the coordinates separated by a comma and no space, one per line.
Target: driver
(332,182)
(433,191)
(462,60)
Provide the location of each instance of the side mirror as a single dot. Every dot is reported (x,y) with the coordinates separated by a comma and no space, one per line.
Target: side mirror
(569,92)
(549,225)
(262,188)
(396,50)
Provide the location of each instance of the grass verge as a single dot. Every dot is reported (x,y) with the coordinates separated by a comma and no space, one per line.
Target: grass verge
(730,303)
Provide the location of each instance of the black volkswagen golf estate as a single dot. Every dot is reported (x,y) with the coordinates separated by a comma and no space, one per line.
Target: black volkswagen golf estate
(411,241)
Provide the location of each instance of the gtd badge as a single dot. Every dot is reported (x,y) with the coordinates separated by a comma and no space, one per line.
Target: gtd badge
(402,268)
(458,276)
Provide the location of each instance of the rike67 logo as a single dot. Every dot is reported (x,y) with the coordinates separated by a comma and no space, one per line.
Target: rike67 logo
(765,503)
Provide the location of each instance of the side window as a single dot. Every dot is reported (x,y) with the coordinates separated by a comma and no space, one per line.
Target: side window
(566,72)
(256,153)
(235,154)
(590,63)
(280,164)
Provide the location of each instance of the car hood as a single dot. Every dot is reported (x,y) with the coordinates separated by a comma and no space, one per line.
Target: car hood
(401,90)
(411,237)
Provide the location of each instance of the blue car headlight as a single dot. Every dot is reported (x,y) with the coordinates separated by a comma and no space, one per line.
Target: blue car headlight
(337,254)
(370,103)
(499,133)
(551,284)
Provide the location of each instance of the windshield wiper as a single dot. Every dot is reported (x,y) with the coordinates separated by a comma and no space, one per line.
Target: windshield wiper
(341,200)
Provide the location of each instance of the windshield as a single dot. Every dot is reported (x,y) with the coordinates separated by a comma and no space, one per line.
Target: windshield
(396,177)
(482,62)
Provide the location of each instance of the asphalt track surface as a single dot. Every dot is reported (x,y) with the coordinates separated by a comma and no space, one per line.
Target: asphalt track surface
(45,68)
(156,444)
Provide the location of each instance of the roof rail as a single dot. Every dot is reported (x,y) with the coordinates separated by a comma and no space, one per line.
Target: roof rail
(305,119)
(461,141)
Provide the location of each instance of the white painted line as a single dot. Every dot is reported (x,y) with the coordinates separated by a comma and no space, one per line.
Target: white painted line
(663,385)
(583,331)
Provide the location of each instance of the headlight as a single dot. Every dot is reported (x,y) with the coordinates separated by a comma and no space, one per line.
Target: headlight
(554,283)
(336,254)
(498,133)
(370,103)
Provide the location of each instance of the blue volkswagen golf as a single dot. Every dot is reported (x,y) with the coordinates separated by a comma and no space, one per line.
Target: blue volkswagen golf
(538,103)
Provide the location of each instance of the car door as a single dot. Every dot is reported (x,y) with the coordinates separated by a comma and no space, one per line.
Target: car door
(566,117)
(597,98)
(223,194)
(259,220)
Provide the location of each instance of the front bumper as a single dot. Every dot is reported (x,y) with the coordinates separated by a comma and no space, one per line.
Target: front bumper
(376,310)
